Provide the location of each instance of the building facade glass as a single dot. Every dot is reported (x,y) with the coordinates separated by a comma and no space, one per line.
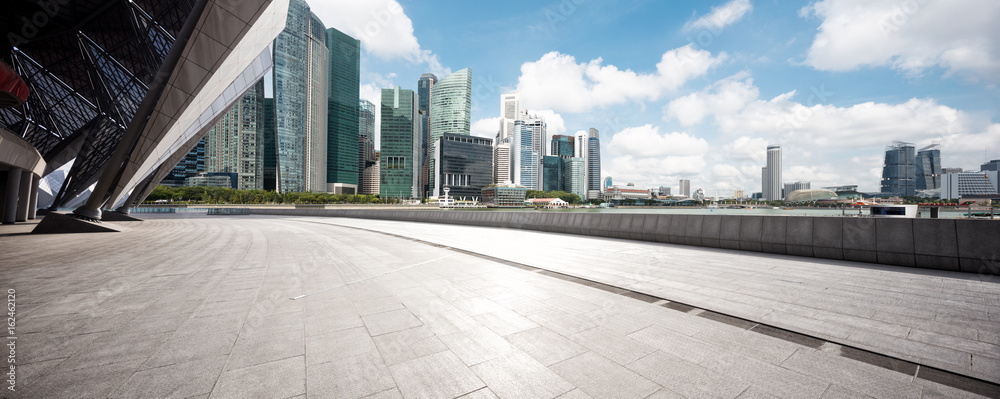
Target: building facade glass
(575,176)
(344,83)
(300,101)
(588,147)
(424,87)
(525,162)
(552,173)
(927,167)
(366,142)
(234,144)
(771,176)
(463,165)
(562,145)
(269,148)
(899,171)
(400,125)
(450,109)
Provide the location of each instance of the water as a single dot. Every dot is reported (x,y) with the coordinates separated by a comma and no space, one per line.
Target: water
(924,213)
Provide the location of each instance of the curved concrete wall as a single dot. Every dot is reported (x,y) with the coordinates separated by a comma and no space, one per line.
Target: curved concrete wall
(971,246)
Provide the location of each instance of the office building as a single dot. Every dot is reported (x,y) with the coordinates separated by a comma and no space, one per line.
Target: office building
(400,144)
(608,182)
(525,161)
(969,184)
(463,164)
(300,90)
(370,177)
(235,143)
(927,168)
(588,147)
(424,87)
(269,158)
(790,187)
(574,171)
(945,171)
(510,111)
(343,84)
(562,145)
(504,195)
(684,189)
(771,174)
(366,142)
(501,162)
(451,109)
(190,165)
(898,171)
(552,173)
(993,165)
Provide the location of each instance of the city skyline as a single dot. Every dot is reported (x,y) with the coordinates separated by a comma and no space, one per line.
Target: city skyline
(742,86)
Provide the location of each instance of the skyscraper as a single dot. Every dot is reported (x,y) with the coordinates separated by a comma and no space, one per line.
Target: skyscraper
(463,164)
(510,110)
(269,148)
(343,78)
(366,143)
(424,87)
(588,147)
(189,166)
(685,188)
(300,101)
(771,176)
(234,145)
(451,109)
(525,161)
(501,162)
(927,167)
(552,173)
(574,176)
(562,145)
(400,144)
(899,171)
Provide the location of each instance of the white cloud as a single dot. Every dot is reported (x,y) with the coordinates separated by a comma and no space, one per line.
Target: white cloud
(726,96)
(554,123)
(383,28)
(556,81)
(644,156)
(721,16)
(911,36)
(486,127)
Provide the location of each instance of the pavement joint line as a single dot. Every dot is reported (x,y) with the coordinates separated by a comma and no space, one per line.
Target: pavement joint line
(934,374)
(371,277)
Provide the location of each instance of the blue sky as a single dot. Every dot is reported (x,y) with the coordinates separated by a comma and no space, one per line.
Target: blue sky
(697,89)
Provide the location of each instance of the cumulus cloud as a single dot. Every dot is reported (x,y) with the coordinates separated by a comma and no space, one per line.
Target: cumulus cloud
(721,16)
(556,81)
(486,127)
(960,36)
(726,96)
(383,28)
(645,156)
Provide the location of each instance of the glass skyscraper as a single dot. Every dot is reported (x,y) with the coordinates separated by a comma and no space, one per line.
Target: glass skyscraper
(450,109)
(525,161)
(562,145)
(366,141)
(899,171)
(464,164)
(424,87)
(552,173)
(342,113)
(771,174)
(928,168)
(588,147)
(234,144)
(269,147)
(300,101)
(400,144)
(575,176)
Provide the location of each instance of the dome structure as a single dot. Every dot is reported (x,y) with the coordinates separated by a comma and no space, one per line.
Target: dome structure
(810,195)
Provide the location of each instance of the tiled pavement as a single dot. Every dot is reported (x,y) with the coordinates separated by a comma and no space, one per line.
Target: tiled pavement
(201,307)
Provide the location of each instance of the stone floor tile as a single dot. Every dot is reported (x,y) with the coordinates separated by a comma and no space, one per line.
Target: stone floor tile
(686,378)
(187,348)
(256,349)
(602,378)
(179,380)
(353,377)
(441,375)
(279,379)
(409,344)
(338,345)
(476,345)
(545,346)
(517,375)
(391,321)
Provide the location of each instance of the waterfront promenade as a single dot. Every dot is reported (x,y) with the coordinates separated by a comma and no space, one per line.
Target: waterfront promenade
(282,307)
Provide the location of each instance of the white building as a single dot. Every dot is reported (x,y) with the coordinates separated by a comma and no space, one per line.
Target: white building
(958,185)
(501,162)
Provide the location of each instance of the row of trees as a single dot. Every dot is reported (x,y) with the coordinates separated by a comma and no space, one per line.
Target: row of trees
(222,195)
(568,197)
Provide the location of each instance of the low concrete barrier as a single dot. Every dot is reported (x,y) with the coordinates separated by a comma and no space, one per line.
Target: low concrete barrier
(971,246)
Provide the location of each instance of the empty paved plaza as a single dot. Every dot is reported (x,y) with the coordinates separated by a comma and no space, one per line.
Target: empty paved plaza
(195,306)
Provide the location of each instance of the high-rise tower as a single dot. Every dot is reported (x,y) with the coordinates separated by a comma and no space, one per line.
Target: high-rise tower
(344,74)
(899,171)
(300,101)
(771,176)
(588,147)
(510,110)
(928,168)
(450,109)
(400,144)
(366,144)
(424,87)
(234,145)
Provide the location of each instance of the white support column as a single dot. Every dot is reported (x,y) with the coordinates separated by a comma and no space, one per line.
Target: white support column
(23,196)
(33,201)
(10,203)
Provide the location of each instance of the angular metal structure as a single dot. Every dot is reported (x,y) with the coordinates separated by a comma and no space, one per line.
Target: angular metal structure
(122,88)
